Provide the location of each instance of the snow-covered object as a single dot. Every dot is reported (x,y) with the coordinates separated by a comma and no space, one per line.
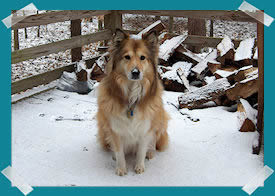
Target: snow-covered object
(209,79)
(144,31)
(201,66)
(225,45)
(80,65)
(204,94)
(248,113)
(192,55)
(255,141)
(198,153)
(225,74)
(172,73)
(250,76)
(251,113)
(256,53)
(101,61)
(168,47)
(68,82)
(183,78)
(245,49)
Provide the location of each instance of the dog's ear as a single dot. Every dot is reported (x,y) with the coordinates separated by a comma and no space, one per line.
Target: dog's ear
(119,36)
(151,38)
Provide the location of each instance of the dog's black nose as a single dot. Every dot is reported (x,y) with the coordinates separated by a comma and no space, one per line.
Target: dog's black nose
(135,74)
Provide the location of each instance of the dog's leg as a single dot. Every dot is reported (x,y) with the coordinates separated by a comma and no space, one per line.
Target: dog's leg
(141,152)
(121,169)
(151,149)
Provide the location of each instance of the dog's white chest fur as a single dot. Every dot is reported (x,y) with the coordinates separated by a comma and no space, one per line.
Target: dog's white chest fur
(131,128)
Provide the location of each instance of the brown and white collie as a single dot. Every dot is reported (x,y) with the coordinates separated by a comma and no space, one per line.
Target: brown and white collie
(131,117)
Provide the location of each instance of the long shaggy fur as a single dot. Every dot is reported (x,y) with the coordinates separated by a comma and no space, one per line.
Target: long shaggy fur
(147,128)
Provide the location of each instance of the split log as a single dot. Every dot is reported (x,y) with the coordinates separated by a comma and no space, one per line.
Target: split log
(172,80)
(247,116)
(186,55)
(157,26)
(169,46)
(244,53)
(226,51)
(210,92)
(183,78)
(201,68)
(244,88)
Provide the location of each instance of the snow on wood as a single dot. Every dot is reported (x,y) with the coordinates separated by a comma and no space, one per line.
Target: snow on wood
(247,116)
(169,46)
(201,66)
(183,78)
(223,73)
(213,66)
(245,72)
(245,49)
(244,88)
(102,61)
(225,45)
(255,56)
(210,92)
(171,79)
(209,79)
(187,55)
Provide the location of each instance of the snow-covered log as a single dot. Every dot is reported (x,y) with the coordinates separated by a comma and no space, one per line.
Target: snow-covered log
(169,46)
(225,51)
(183,78)
(202,66)
(210,92)
(247,117)
(187,55)
(245,49)
(244,88)
(171,79)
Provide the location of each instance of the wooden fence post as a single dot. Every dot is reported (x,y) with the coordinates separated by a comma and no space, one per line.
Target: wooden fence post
(196,27)
(260,119)
(171,24)
(75,31)
(113,21)
(211,28)
(15,35)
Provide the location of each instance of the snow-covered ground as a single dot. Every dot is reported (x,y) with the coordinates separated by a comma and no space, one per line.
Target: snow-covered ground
(63,152)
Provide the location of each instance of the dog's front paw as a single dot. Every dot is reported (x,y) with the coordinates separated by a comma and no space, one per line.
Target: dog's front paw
(150,154)
(121,171)
(139,168)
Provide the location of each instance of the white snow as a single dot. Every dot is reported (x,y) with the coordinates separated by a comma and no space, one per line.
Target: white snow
(202,65)
(168,47)
(245,49)
(224,73)
(256,53)
(250,112)
(172,73)
(46,152)
(225,45)
(209,79)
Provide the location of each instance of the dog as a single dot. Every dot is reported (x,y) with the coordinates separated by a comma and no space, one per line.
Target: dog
(131,117)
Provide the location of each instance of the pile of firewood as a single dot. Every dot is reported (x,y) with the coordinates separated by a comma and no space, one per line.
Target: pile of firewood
(223,76)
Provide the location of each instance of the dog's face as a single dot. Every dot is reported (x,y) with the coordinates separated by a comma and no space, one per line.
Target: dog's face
(134,58)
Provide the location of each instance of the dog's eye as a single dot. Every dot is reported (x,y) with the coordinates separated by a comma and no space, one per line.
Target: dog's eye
(127,57)
(142,58)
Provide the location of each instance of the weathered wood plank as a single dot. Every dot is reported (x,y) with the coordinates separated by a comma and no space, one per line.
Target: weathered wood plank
(57,16)
(39,79)
(260,119)
(231,15)
(206,41)
(46,77)
(46,49)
